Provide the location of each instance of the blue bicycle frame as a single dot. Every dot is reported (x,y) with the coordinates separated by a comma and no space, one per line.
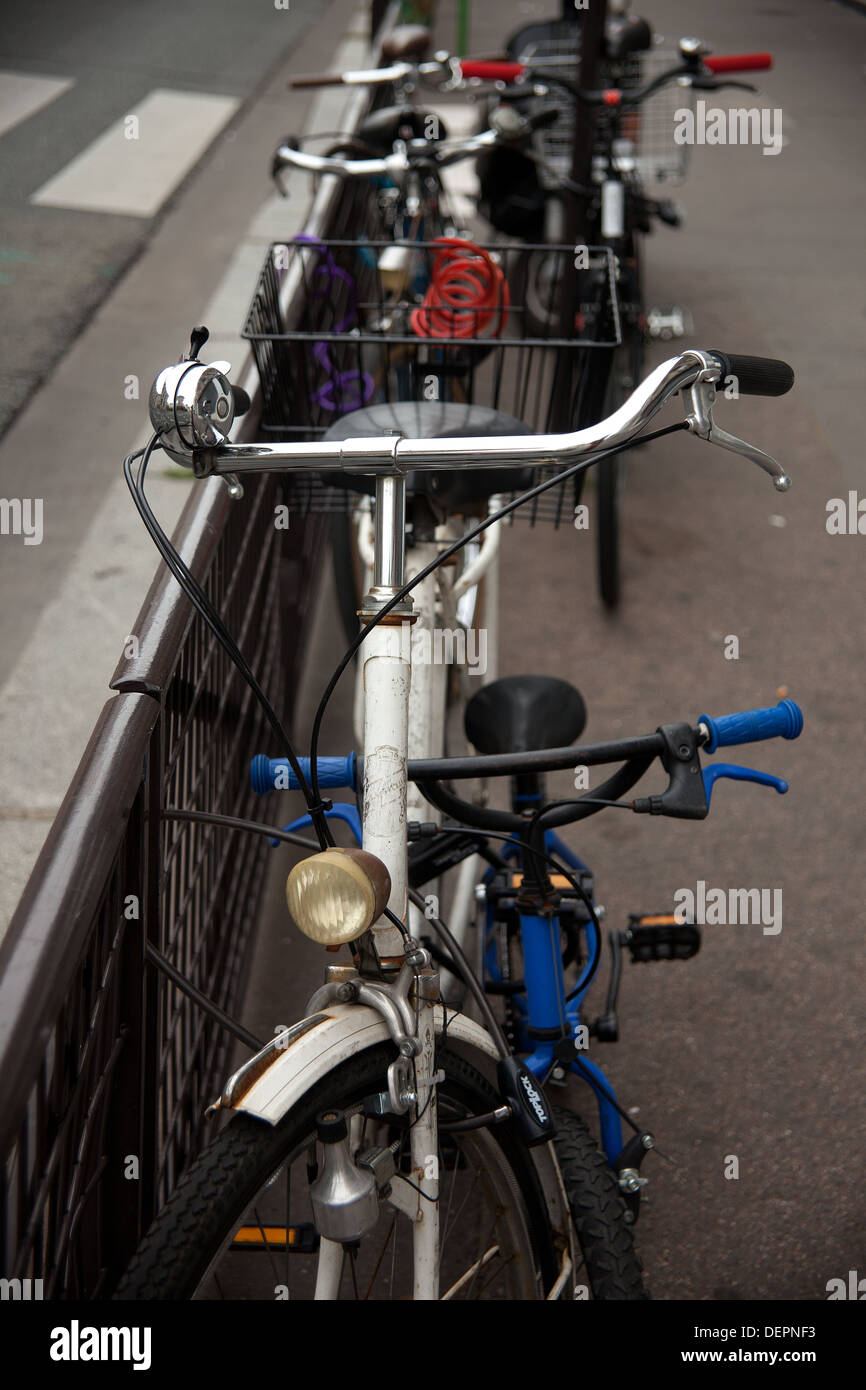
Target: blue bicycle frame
(543,1004)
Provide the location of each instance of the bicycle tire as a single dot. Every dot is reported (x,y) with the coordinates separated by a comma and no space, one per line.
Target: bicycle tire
(346,567)
(614,1269)
(184,1253)
(626,374)
(608,484)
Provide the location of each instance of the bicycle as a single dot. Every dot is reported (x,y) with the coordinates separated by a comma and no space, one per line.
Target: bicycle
(528,187)
(400,161)
(606,201)
(379,1120)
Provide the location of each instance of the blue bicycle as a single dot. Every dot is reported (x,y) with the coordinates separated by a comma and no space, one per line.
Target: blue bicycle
(540,933)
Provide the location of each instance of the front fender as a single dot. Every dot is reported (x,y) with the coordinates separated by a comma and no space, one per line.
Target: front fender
(272,1081)
(276,1078)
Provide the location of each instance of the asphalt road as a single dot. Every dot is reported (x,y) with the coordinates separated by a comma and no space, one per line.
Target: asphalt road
(58,263)
(753,1050)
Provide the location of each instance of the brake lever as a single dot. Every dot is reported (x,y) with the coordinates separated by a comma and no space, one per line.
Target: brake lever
(700,422)
(710,84)
(737,773)
(687,795)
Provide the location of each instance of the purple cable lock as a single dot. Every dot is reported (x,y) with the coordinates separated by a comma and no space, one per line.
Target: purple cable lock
(333,394)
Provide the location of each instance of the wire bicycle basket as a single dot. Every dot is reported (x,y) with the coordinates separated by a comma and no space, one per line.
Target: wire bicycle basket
(651,127)
(505,326)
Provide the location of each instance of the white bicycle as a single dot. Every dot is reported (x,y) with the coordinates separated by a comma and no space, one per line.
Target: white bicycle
(388,1145)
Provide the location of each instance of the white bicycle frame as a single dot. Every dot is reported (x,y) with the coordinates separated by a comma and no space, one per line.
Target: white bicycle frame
(403,704)
(185,401)
(445,603)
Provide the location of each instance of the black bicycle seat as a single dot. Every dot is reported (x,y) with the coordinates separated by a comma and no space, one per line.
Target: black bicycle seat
(449,489)
(624,34)
(406,41)
(388,123)
(518,713)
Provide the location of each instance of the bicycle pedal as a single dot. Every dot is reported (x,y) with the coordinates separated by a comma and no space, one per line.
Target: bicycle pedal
(668,321)
(660,937)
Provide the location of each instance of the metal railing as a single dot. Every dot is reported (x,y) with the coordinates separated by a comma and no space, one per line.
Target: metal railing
(106,1065)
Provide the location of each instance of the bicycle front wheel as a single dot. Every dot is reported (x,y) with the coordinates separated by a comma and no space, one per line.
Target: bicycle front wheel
(240,1226)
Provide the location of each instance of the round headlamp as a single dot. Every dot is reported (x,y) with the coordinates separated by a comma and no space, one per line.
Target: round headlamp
(336,895)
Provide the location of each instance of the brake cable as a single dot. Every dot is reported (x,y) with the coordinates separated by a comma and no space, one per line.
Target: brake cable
(208,612)
(557,480)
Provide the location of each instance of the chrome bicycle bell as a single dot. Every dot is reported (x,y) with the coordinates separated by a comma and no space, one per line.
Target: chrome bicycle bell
(191,403)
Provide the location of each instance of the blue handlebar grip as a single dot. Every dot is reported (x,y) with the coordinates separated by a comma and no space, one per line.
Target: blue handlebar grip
(275,774)
(784,720)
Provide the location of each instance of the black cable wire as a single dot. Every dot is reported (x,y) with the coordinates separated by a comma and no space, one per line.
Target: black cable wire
(609,1097)
(236,823)
(583,801)
(395,922)
(207,1005)
(489,1117)
(446,554)
(576,885)
(472,983)
(211,617)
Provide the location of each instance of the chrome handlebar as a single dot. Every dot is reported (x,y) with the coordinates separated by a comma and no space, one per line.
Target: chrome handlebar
(191,406)
(393,165)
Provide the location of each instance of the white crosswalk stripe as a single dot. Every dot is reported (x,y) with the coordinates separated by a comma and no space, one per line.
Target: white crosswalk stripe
(22,95)
(134,165)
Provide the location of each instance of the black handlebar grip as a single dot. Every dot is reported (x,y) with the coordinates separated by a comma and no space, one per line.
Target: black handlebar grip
(757,376)
(241,400)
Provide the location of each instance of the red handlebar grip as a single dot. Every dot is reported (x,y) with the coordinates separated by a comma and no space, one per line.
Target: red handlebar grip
(492,71)
(739,62)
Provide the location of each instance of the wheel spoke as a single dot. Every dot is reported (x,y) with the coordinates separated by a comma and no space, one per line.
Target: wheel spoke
(253,1187)
(470,1273)
(382,1256)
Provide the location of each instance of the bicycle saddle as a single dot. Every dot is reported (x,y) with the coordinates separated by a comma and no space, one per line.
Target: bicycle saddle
(389,123)
(518,713)
(449,489)
(624,34)
(405,42)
